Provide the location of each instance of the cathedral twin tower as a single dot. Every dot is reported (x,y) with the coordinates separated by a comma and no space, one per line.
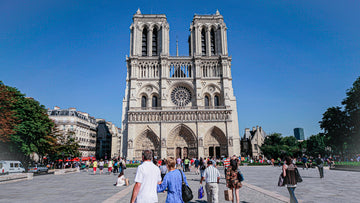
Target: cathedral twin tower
(179,106)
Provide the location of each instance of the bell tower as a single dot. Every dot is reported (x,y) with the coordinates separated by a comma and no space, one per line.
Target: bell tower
(149,35)
(208,35)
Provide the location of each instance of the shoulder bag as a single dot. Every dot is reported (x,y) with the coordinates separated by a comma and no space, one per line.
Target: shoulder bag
(186,191)
(298,178)
(281,180)
(240,176)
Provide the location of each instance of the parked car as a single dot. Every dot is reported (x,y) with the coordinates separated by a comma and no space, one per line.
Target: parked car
(37,168)
(7,167)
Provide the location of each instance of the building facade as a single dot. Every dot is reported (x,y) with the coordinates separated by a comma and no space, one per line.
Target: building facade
(80,124)
(299,133)
(109,139)
(180,106)
(252,141)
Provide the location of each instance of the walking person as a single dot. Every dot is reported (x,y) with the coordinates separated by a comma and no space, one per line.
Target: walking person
(212,179)
(101,166)
(232,179)
(95,163)
(226,164)
(116,170)
(163,169)
(173,182)
(320,165)
(146,179)
(110,166)
(197,164)
(202,167)
(186,163)
(290,178)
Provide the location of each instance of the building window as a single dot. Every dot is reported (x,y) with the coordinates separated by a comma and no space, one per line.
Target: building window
(212,41)
(154,101)
(144,42)
(143,101)
(207,101)
(216,100)
(203,42)
(155,42)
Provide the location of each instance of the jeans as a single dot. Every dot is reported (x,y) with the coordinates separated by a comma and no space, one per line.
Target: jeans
(212,192)
(292,194)
(321,171)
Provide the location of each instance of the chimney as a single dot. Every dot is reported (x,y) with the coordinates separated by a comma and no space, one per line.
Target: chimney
(56,108)
(72,109)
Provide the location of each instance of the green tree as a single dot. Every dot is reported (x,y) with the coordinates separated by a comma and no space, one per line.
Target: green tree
(277,146)
(7,115)
(316,144)
(335,124)
(352,108)
(32,132)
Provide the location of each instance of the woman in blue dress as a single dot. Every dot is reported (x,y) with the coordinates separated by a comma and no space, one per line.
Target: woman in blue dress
(173,182)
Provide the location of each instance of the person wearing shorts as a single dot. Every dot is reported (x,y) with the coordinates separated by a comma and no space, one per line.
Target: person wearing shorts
(110,165)
(95,163)
(101,166)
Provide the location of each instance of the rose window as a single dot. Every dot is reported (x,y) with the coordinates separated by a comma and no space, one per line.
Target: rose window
(181,96)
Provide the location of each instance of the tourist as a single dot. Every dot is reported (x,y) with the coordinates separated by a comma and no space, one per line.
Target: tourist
(212,179)
(202,167)
(330,161)
(226,164)
(197,164)
(101,166)
(186,163)
(146,179)
(290,178)
(87,164)
(320,164)
(178,162)
(173,182)
(116,169)
(304,161)
(110,165)
(232,179)
(120,180)
(163,169)
(95,163)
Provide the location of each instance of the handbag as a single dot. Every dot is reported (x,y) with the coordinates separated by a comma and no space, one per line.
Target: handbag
(200,192)
(186,190)
(298,178)
(240,176)
(228,195)
(281,180)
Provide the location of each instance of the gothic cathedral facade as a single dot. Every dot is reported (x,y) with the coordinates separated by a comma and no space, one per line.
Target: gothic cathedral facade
(180,106)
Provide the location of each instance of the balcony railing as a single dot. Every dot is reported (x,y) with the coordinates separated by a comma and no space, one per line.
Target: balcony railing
(179,114)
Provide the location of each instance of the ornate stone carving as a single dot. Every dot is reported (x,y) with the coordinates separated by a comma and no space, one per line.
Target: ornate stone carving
(149,89)
(163,142)
(130,144)
(139,84)
(201,144)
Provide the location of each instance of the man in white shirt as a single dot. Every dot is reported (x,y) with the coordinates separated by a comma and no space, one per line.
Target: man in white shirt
(146,179)
(212,178)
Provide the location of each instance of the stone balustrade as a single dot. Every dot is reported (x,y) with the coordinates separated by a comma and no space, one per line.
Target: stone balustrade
(181,115)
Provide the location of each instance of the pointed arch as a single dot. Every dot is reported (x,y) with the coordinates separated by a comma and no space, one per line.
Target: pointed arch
(183,138)
(144,41)
(215,142)
(147,140)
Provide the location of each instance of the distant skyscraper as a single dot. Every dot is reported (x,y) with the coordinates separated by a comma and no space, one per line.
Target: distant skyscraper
(299,133)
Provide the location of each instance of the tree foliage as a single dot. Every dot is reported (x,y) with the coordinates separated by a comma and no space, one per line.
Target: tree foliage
(277,146)
(342,127)
(25,128)
(7,117)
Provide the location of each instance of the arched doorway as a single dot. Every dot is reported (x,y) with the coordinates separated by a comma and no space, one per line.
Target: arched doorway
(215,144)
(182,143)
(147,140)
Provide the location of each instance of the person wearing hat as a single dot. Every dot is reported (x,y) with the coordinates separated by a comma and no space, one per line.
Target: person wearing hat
(212,179)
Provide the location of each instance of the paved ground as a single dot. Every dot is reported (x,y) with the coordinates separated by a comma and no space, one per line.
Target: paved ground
(337,186)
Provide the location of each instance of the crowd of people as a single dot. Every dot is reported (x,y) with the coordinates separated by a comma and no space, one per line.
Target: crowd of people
(154,176)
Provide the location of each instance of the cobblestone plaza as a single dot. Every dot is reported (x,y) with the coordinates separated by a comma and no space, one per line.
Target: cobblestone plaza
(260,185)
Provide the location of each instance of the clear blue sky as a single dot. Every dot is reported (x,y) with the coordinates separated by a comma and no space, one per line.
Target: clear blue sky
(291,60)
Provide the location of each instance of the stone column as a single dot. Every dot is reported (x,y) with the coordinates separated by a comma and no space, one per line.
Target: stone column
(207,41)
(149,42)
